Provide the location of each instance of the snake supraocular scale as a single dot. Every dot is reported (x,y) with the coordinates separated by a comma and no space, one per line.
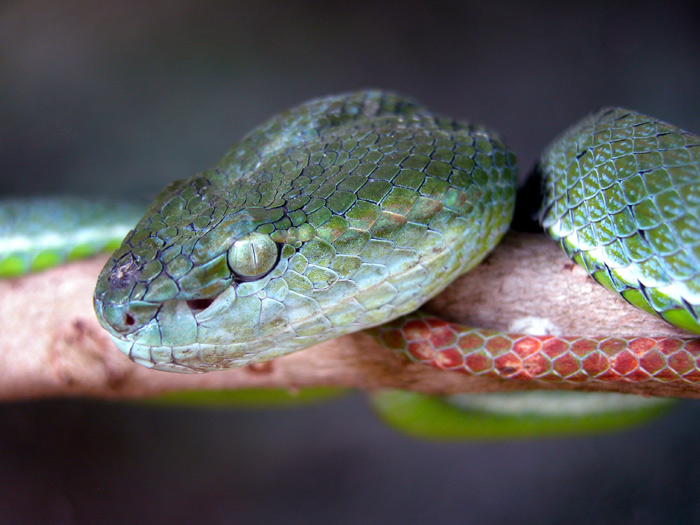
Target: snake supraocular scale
(350,211)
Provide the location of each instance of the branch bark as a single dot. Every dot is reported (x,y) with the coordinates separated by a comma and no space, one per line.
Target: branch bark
(52,345)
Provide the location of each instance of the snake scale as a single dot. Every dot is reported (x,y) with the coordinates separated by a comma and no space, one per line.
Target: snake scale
(350,211)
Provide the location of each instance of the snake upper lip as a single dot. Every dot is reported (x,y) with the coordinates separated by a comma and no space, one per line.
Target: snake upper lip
(128,323)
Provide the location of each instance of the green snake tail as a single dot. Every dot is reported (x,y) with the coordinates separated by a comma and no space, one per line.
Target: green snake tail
(39,233)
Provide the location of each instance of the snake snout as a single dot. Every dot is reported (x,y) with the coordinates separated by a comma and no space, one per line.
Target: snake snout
(124,319)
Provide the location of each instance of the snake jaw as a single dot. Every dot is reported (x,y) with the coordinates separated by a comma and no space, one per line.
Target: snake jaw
(192,359)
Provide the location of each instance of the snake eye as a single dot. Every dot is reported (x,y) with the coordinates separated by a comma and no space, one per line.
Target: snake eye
(253,256)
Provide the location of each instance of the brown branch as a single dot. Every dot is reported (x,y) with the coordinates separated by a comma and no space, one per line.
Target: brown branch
(51,344)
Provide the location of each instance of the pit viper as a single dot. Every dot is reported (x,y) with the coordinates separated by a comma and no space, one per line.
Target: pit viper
(349,212)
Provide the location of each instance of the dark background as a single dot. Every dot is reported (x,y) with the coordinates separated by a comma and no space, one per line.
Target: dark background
(119,98)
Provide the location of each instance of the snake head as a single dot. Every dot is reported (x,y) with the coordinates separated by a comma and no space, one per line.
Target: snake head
(188,250)
(333,217)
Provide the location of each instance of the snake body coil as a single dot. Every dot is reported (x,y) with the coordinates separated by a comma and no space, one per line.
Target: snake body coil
(622,196)
(41,232)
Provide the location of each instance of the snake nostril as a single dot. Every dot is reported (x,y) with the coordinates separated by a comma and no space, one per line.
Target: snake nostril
(129,320)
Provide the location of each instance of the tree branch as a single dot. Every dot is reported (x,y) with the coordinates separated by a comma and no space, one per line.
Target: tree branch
(52,345)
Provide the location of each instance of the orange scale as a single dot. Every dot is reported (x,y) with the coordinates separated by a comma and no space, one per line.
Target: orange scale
(625,362)
(566,365)
(670,345)
(478,362)
(613,345)
(436,322)
(667,374)
(582,347)
(692,377)
(652,362)
(596,363)
(642,345)
(609,375)
(416,329)
(693,346)
(508,364)
(638,376)
(555,346)
(526,346)
(443,337)
(498,344)
(470,341)
(421,350)
(522,375)
(578,377)
(681,362)
(537,365)
(449,358)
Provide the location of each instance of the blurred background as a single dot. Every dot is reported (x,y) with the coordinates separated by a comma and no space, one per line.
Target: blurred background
(120,97)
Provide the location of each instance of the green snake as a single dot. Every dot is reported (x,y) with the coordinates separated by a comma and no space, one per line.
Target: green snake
(351,211)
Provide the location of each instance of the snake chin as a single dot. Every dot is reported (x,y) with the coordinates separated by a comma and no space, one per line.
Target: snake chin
(194,358)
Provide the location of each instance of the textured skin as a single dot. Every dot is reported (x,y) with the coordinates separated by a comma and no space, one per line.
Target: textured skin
(39,233)
(622,196)
(474,351)
(375,205)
